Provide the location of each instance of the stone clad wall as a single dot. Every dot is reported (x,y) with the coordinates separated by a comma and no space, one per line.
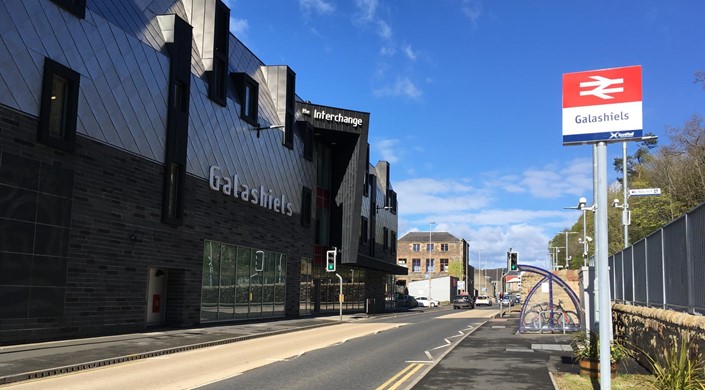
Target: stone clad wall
(655,330)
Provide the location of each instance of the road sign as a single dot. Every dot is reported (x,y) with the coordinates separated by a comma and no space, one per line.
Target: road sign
(645,192)
(602,105)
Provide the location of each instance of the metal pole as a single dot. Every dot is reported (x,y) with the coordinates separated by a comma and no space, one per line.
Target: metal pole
(430,259)
(585,245)
(566,249)
(625,211)
(340,297)
(479,265)
(601,256)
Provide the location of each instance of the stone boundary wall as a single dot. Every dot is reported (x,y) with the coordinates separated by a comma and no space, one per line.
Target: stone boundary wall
(656,330)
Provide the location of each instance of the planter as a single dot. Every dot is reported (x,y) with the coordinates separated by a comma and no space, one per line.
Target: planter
(591,368)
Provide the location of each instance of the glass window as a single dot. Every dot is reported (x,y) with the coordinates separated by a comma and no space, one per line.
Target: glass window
(429,247)
(444,247)
(393,242)
(416,247)
(402,262)
(363,230)
(429,265)
(241,283)
(385,232)
(57,112)
(59,106)
(444,265)
(416,265)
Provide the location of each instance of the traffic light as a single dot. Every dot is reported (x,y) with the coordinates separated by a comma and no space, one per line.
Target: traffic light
(330,260)
(513,261)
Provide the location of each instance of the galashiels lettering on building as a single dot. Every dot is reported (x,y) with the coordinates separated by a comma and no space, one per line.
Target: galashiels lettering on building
(261,197)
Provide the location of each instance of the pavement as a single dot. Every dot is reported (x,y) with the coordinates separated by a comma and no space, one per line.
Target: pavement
(492,356)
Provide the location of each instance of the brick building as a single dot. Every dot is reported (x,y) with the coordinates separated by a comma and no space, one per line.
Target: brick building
(153,171)
(436,254)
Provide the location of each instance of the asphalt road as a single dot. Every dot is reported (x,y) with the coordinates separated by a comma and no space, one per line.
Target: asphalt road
(363,353)
(371,362)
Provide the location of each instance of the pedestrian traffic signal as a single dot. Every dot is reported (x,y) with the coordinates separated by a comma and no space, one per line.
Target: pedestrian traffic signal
(330,260)
(513,257)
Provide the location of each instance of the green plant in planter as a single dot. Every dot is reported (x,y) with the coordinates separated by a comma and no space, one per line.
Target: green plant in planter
(586,346)
(680,367)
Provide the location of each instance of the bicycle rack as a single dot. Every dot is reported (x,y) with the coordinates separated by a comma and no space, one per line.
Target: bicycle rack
(551,279)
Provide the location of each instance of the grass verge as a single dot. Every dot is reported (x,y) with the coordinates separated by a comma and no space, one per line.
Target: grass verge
(566,381)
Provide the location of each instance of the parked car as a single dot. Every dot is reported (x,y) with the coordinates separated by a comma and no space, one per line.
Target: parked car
(517,298)
(483,300)
(406,301)
(463,302)
(507,300)
(427,302)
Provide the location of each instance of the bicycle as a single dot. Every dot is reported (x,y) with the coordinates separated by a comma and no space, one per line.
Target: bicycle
(541,316)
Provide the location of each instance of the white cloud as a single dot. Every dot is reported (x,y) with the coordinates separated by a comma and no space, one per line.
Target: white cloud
(367,8)
(466,209)
(387,51)
(472,9)
(401,87)
(554,181)
(410,54)
(240,28)
(384,30)
(320,7)
(388,149)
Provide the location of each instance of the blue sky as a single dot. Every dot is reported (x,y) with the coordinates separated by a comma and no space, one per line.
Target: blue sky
(465,97)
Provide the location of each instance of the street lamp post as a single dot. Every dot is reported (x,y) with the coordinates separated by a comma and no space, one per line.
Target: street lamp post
(430,259)
(479,265)
(566,246)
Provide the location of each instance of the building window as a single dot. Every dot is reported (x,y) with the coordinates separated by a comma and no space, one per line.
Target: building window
(429,265)
(393,241)
(76,7)
(416,265)
(416,247)
(444,265)
(307,135)
(217,86)
(429,247)
(248,94)
(402,262)
(385,233)
(444,247)
(59,106)
(363,230)
(173,192)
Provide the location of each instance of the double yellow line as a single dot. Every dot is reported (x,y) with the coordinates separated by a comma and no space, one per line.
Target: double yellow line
(401,377)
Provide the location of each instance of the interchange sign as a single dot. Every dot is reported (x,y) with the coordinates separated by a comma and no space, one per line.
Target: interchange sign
(602,105)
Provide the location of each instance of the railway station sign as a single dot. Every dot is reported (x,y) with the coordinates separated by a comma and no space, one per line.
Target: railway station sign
(602,105)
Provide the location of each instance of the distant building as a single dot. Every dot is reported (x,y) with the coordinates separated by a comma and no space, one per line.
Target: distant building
(435,255)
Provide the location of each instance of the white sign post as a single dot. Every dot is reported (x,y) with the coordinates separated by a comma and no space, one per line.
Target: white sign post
(602,106)
(645,192)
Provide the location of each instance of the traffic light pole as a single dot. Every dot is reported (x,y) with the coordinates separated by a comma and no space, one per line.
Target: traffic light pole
(340,297)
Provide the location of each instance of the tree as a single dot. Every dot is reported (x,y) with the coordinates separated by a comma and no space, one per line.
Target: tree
(456,269)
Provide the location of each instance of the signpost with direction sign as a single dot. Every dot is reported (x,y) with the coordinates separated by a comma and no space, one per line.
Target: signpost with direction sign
(645,192)
(602,105)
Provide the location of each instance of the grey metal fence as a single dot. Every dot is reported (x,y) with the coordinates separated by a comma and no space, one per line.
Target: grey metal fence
(665,269)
